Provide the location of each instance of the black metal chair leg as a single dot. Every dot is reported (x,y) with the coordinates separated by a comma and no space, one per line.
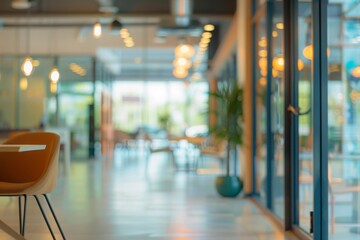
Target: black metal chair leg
(24,217)
(44,216)
(20,215)
(53,213)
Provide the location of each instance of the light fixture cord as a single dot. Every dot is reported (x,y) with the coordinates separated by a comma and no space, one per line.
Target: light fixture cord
(28,34)
(145,66)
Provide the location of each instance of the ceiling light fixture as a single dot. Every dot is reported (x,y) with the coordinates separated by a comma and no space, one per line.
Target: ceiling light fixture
(97,30)
(54,74)
(128,40)
(35,63)
(300,65)
(27,66)
(182,63)
(308,52)
(262,42)
(180,72)
(209,27)
(130,45)
(205,40)
(75,68)
(206,35)
(115,26)
(124,33)
(280,25)
(355,72)
(184,50)
(203,45)
(279,63)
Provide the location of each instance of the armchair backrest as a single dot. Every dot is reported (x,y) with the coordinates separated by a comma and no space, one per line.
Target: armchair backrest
(32,166)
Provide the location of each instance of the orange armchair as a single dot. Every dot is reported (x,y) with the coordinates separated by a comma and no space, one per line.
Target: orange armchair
(31,173)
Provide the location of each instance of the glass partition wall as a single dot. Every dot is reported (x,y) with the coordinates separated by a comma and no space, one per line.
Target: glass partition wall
(260,73)
(269,95)
(277,104)
(344,118)
(32,103)
(305,72)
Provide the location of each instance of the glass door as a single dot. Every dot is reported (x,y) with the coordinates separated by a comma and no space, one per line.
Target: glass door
(261,80)
(305,115)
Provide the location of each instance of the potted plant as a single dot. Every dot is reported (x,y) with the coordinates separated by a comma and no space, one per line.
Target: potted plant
(229,127)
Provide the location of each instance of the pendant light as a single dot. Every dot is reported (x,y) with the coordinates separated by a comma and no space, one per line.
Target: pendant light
(209,27)
(184,50)
(355,72)
(115,26)
(54,74)
(27,66)
(97,30)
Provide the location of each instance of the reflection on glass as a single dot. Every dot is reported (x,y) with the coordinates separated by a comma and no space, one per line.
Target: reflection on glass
(277,107)
(305,131)
(261,82)
(344,119)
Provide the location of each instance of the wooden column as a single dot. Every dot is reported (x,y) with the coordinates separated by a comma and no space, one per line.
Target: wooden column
(244,77)
(212,102)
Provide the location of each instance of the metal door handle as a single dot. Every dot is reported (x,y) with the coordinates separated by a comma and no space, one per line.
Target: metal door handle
(293,110)
(296,110)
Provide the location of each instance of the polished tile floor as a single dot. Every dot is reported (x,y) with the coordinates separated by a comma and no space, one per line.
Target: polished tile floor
(119,198)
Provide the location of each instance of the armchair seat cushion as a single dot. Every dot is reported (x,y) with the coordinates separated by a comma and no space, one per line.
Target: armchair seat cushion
(8,188)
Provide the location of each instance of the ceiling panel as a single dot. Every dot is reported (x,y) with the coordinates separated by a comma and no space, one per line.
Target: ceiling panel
(131,7)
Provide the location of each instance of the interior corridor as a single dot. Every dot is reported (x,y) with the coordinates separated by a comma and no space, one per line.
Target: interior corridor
(117,198)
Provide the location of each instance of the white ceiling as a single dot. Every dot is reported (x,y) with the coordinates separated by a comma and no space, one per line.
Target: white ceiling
(72,36)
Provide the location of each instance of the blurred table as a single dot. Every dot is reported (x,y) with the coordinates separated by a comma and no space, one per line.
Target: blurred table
(189,146)
(20,147)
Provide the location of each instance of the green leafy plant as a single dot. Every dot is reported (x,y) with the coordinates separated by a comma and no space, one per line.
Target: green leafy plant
(164,119)
(229,118)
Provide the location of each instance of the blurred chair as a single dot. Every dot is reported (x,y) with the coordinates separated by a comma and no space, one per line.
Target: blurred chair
(31,173)
(213,148)
(159,146)
(337,187)
(124,140)
(307,179)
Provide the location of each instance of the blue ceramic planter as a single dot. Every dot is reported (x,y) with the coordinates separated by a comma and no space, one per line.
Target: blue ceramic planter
(228,186)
